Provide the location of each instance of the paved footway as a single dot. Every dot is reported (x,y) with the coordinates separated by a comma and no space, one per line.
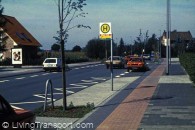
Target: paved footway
(128,115)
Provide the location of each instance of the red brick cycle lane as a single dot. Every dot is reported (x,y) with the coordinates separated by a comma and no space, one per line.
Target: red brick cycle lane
(128,115)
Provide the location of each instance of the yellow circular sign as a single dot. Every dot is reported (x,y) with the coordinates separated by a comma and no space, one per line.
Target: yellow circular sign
(105,28)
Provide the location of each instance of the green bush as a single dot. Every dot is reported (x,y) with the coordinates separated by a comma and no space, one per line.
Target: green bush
(187,60)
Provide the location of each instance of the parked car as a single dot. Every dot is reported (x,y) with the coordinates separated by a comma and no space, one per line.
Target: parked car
(11,118)
(118,62)
(50,64)
(137,63)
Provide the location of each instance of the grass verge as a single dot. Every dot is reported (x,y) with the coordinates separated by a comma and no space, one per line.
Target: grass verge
(71,112)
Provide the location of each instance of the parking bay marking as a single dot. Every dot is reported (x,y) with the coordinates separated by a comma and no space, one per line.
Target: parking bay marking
(2,81)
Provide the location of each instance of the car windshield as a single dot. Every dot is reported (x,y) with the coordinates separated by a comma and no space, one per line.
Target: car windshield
(114,58)
(136,59)
(50,61)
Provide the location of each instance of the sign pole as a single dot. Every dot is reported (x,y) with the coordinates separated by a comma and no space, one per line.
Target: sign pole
(111,63)
(106,34)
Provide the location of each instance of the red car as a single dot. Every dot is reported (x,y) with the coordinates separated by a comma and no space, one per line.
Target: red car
(136,63)
(14,118)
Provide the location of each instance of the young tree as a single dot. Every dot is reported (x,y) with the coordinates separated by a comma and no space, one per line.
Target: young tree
(68,10)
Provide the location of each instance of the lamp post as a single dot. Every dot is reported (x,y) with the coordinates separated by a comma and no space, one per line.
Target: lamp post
(168,37)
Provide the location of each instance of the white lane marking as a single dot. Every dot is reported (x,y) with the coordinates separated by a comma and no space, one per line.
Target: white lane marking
(2,81)
(78,86)
(34,76)
(118,76)
(21,78)
(45,74)
(122,74)
(88,82)
(76,68)
(14,107)
(96,78)
(82,67)
(27,102)
(40,96)
(67,91)
(126,72)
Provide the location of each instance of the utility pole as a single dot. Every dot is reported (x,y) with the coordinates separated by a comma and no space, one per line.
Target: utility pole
(168,37)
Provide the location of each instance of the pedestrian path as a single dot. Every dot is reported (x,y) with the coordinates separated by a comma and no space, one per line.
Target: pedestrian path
(173,103)
(128,114)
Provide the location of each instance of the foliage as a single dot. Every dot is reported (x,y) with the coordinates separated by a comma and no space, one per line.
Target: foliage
(3,37)
(69,10)
(187,60)
(76,48)
(151,44)
(95,49)
(121,47)
(55,47)
(76,57)
(71,112)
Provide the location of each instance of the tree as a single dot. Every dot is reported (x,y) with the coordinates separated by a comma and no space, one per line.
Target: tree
(76,48)
(152,44)
(121,47)
(55,47)
(68,10)
(2,24)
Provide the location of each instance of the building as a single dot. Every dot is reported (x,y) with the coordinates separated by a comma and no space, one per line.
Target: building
(18,37)
(178,37)
(179,41)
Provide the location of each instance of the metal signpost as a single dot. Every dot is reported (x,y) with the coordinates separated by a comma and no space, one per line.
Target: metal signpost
(106,34)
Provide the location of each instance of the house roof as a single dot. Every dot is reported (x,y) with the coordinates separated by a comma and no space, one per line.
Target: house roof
(186,36)
(18,33)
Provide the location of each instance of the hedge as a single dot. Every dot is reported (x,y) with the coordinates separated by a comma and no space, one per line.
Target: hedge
(187,60)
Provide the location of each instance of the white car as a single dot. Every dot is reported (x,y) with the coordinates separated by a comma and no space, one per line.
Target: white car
(50,64)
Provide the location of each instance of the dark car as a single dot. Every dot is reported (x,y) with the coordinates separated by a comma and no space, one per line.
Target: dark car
(14,118)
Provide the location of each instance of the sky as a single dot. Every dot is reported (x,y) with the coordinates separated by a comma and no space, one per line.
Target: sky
(127,17)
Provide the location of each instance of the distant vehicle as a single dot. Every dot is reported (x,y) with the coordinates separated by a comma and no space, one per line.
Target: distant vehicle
(118,62)
(136,63)
(10,117)
(50,64)
(146,56)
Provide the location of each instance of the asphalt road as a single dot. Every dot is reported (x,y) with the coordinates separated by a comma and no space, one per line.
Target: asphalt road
(27,91)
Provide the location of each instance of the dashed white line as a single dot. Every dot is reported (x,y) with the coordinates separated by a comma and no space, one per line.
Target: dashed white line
(21,78)
(45,74)
(118,76)
(96,78)
(34,76)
